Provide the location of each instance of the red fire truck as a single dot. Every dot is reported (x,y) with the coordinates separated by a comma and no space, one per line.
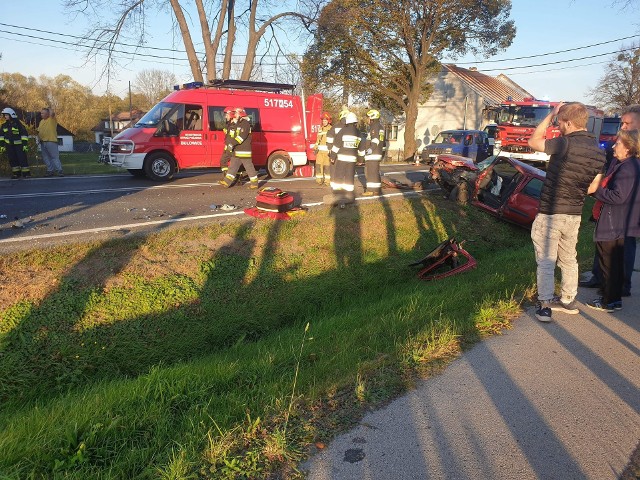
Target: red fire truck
(184,130)
(517,121)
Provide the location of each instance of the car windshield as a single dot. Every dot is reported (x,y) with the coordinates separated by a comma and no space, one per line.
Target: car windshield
(524,115)
(449,137)
(610,128)
(157,113)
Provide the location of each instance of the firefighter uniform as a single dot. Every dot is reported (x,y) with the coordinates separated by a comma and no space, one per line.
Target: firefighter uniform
(241,147)
(373,151)
(331,135)
(322,152)
(229,135)
(15,140)
(345,151)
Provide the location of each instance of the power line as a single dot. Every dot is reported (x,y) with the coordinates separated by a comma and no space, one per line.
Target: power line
(559,61)
(549,53)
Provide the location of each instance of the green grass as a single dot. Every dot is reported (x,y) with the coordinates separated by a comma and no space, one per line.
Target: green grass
(225,351)
(73,163)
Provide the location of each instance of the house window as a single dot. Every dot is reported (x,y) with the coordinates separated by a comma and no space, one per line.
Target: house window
(392,132)
(60,142)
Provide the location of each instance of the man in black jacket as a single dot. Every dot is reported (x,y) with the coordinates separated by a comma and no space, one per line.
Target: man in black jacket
(575,160)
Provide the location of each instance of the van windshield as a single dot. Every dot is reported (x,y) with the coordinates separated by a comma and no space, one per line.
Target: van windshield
(449,137)
(524,115)
(152,117)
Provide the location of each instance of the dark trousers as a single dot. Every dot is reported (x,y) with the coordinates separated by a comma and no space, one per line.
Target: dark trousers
(235,164)
(372,176)
(629,263)
(611,261)
(225,159)
(17,157)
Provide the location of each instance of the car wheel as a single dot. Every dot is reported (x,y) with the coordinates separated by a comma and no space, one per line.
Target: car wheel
(160,166)
(278,165)
(136,172)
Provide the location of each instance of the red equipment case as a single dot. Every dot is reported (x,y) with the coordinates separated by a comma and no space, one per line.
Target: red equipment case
(272,199)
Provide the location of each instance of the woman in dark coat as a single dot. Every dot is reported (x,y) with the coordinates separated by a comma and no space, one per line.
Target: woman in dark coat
(619,217)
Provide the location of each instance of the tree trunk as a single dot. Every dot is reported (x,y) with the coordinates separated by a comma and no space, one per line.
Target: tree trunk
(231,37)
(188,43)
(210,52)
(411,115)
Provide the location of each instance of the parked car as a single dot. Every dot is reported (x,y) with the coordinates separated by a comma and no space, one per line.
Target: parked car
(506,188)
(473,144)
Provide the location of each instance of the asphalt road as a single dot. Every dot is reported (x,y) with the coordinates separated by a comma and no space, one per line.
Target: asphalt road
(47,211)
(557,401)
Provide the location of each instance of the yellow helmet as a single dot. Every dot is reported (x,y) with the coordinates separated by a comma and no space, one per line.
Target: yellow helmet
(373,114)
(343,113)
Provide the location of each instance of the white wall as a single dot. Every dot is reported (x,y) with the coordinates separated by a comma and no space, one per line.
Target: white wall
(445,110)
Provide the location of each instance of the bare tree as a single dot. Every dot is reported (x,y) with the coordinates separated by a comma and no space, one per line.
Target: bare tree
(154,85)
(129,22)
(620,85)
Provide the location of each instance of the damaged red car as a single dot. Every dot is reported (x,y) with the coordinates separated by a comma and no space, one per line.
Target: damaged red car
(504,187)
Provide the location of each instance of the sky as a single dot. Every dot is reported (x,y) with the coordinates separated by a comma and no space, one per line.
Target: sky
(543,27)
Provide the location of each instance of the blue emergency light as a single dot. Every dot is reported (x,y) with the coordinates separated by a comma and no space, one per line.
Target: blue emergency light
(188,86)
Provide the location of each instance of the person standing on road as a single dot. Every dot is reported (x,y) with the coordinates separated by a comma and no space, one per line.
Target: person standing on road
(15,141)
(372,152)
(48,136)
(575,160)
(618,219)
(241,147)
(323,177)
(229,136)
(345,152)
(630,120)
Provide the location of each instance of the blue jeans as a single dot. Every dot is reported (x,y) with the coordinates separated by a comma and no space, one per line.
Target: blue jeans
(554,240)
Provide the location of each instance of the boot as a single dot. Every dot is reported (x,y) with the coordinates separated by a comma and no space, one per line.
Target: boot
(253,184)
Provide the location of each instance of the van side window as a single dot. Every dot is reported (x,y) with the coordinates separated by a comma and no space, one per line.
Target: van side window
(254,119)
(216,118)
(193,117)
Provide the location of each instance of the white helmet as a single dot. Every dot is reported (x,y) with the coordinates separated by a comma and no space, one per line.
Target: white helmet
(10,111)
(350,118)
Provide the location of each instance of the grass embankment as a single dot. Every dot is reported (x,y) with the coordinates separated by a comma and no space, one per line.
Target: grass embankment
(225,351)
(73,163)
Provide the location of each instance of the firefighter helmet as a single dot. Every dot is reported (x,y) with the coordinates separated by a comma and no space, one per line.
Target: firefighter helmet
(231,111)
(326,116)
(10,111)
(350,118)
(373,114)
(241,112)
(343,113)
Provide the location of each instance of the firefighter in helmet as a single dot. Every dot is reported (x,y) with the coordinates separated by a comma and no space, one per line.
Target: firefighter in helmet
(15,141)
(322,152)
(241,148)
(345,152)
(229,134)
(333,131)
(373,151)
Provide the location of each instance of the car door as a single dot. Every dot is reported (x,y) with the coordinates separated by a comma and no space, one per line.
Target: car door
(187,137)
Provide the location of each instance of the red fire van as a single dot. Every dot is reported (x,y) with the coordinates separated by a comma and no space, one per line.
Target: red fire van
(184,130)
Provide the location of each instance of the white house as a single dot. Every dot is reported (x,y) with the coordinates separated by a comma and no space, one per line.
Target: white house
(110,127)
(462,98)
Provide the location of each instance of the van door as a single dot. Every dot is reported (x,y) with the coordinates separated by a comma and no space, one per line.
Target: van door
(185,135)
(216,124)
(313,113)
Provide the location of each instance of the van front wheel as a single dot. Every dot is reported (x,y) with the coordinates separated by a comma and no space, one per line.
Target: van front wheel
(278,165)
(160,166)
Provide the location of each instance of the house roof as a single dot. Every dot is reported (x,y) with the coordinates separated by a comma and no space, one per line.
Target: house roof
(494,90)
(129,118)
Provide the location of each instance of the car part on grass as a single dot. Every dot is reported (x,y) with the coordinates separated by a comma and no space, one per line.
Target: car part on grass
(447,259)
